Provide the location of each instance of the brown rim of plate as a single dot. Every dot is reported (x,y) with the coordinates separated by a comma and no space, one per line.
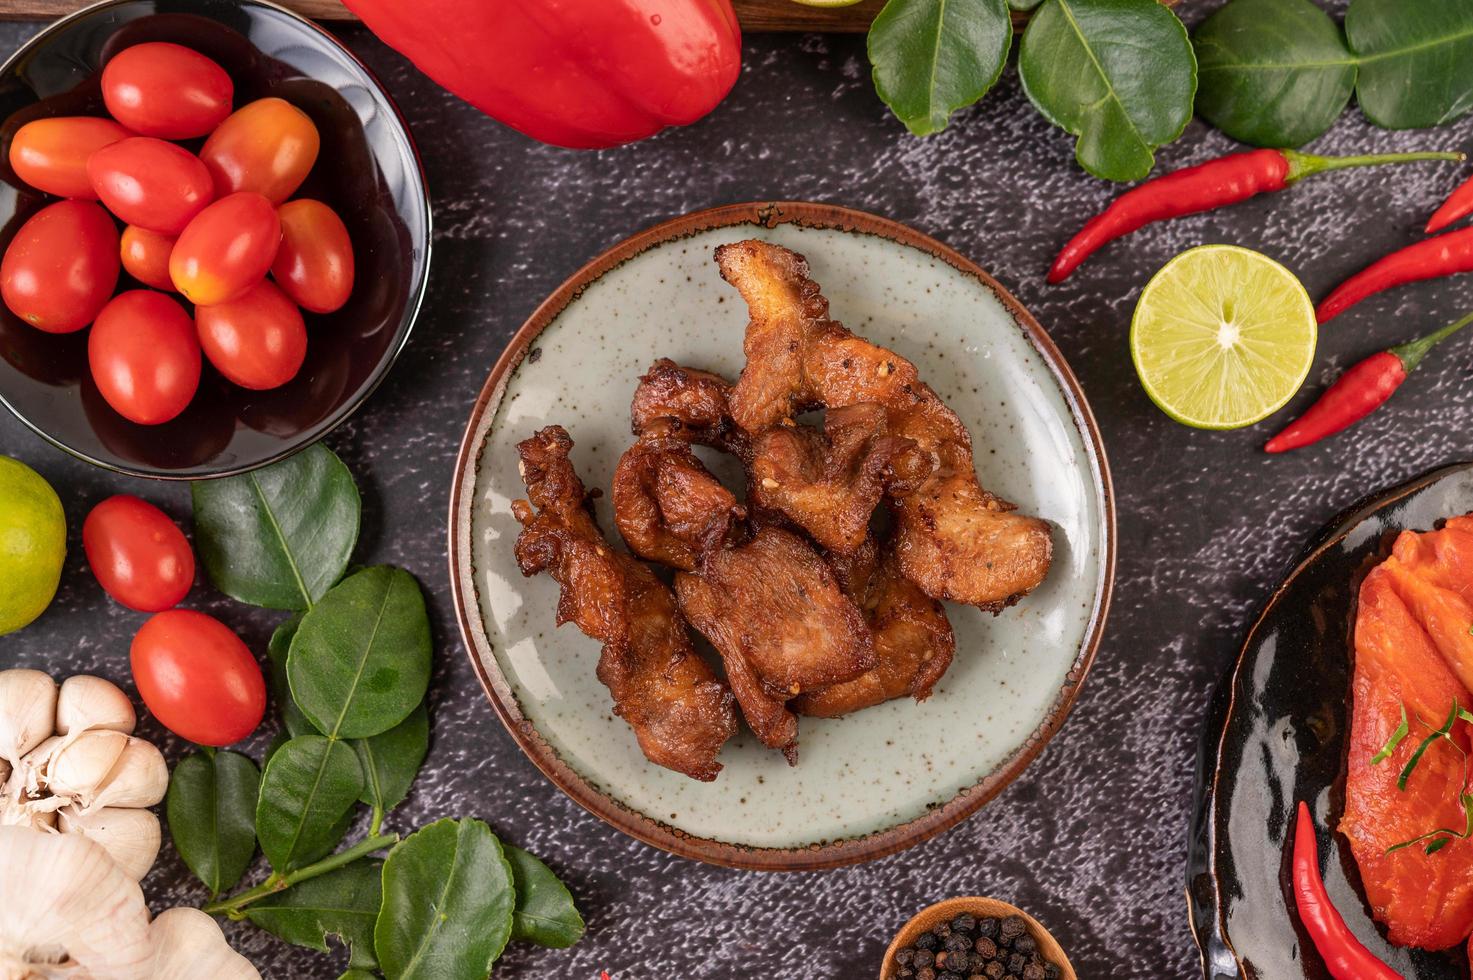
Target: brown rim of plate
(830,854)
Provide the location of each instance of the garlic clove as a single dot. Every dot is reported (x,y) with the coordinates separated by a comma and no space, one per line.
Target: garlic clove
(90,702)
(27,711)
(67,910)
(188,944)
(130,837)
(140,777)
(29,779)
(77,768)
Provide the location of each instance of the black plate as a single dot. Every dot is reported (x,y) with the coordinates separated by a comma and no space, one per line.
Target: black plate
(368,171)
(1275,734)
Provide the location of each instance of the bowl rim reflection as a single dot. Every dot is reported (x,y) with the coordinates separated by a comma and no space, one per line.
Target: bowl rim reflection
(415,294)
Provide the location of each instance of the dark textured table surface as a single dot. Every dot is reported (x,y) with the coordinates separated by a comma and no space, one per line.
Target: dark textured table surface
(1092,837)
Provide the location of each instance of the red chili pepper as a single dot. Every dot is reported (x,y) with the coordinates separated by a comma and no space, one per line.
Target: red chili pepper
(1433,258)
(1204,187)
(1343,954)
(1359,391)
(1459,204)
(578,73)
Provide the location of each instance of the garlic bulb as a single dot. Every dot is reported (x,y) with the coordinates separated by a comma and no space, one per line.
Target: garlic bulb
(90,702)
(90,766)
(131,837)
(27,712)
(66,910)
(188,944)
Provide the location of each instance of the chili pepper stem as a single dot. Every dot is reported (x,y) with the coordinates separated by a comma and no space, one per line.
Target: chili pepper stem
(1303,165)
(1412,352)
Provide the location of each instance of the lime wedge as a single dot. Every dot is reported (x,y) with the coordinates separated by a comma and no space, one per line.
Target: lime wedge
(1222,337)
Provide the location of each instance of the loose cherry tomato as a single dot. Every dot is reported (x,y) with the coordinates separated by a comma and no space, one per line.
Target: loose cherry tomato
(139,556)
(315,262)
(61,267)
(268,147)
(146,256)
(257,340)
(145,356)
(51,154)
(166,90)
(150,183)
(227,249)
(198,678)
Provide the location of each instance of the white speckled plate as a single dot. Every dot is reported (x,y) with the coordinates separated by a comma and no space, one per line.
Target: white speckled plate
(878,780)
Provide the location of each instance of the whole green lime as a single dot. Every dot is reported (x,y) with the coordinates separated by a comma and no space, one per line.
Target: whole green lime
(32,544)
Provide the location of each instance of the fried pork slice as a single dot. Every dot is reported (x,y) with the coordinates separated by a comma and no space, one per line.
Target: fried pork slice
(827,481)
(914,642)
(667,505)
(680,712)
(775,612)
(954,539)
(697,400)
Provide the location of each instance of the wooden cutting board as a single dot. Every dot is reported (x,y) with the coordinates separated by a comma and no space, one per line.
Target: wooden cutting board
(755,15)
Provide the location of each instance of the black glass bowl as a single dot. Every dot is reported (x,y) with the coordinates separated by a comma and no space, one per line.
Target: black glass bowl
(368,171)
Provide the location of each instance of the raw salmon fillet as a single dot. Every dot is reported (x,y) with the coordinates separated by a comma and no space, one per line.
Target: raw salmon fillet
(1413,649)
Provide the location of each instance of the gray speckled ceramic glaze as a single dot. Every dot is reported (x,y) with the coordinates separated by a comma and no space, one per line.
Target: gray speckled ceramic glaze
(879,768)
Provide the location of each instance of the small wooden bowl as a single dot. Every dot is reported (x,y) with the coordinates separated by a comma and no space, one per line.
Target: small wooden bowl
(982,908)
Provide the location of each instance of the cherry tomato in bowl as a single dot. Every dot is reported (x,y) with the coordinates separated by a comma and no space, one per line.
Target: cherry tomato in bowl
(145,256)
(61,267)
(145,356)
(138,555)
(51,154)
(198,678)
(268,146)
(227,249)
(315,262)
(257,340)
(166,90)
(150,183)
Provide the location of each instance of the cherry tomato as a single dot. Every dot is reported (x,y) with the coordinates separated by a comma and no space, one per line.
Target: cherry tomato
(51,154)
(61,267)
(198,678)
(257,340)
(315,262)
(139,556)
(150,183)
(227,249)
(166,90)
(146,256)
(268,147)
(145,356)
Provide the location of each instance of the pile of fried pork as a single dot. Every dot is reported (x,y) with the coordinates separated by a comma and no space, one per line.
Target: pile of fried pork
(811,612)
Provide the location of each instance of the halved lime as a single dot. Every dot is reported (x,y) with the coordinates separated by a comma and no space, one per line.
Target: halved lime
(1222,337)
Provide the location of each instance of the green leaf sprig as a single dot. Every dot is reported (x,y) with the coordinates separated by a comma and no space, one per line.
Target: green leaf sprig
(1118,74)
(1434,840)
(349,673)
(1280,72)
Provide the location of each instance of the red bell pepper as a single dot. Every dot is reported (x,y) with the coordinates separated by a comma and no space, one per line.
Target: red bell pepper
(576,73)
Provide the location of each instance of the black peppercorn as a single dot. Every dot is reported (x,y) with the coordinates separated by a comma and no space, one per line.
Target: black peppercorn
(905,973)
(1033,971)
(1016,963)
(1013,927)
(1025,944)
(948,975)
(964,923)
(958,943)
(988,928)
(986,948)
(1050,972)
(927,941)
(924,957)
(905,957)
(941,929)
(994,970)
(925,973)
